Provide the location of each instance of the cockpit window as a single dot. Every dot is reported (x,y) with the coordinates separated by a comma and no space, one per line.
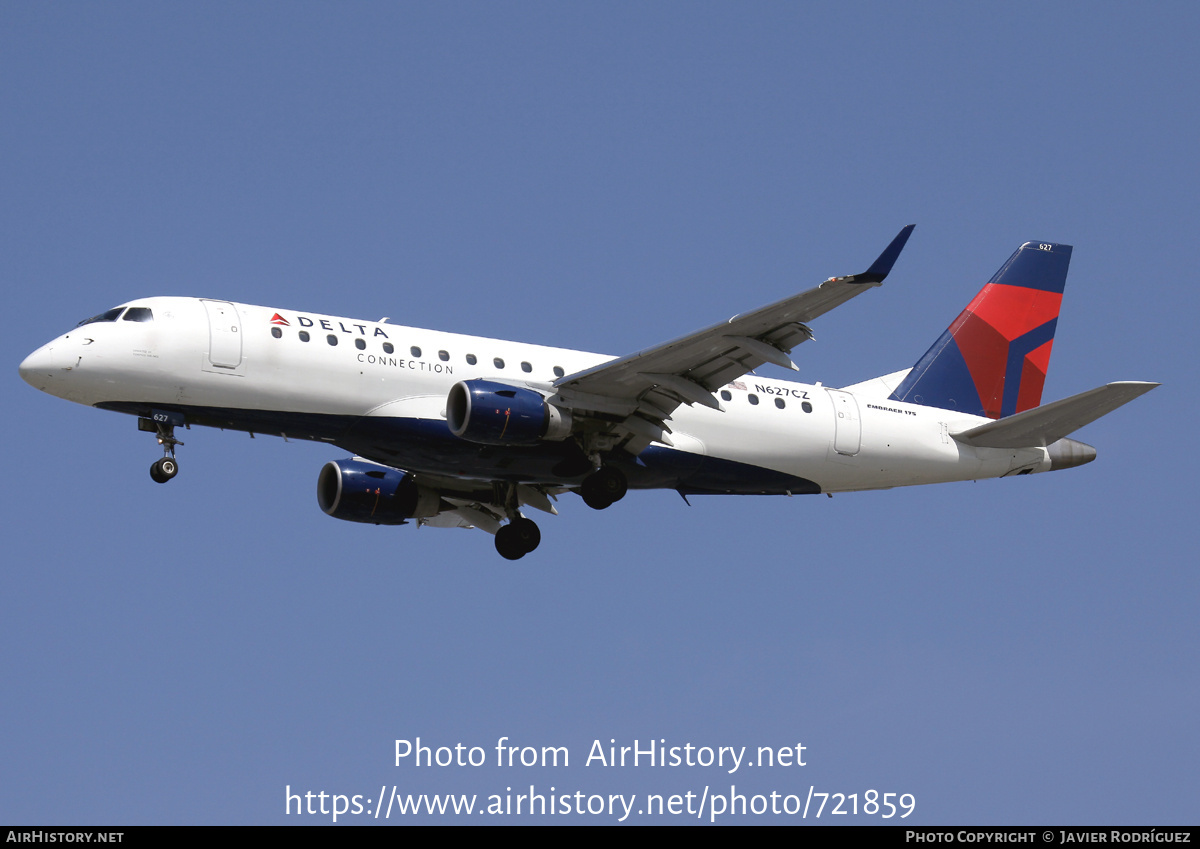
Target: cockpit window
(139,314)
(111,315)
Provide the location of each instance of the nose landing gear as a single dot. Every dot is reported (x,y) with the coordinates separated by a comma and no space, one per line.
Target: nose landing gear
(163,424)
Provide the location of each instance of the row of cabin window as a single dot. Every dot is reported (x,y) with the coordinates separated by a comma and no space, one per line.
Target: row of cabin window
(726,395)
(389,348)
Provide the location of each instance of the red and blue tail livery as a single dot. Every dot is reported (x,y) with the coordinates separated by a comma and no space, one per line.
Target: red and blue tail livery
(992,360)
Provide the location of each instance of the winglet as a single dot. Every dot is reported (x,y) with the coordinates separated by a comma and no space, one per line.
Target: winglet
(882,266)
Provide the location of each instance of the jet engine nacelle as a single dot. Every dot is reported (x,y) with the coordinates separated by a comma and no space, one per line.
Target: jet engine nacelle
(358,491)
(498,414)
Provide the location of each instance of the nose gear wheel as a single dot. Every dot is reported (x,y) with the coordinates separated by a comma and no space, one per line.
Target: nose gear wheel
(166,468)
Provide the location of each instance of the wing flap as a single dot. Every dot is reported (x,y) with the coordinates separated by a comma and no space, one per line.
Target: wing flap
(1045,425)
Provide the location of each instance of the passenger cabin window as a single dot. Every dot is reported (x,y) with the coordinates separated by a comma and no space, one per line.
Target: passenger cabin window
(303,335)
(726,395)
(331,339)
(389,348)
(416,352)
(526,367)
(498,363)
(111,315)
(444,356)
(139,314)
(558,371)
(806,407)
(361,344)
(779,403)
(472,359)
(753,399)
(276,332)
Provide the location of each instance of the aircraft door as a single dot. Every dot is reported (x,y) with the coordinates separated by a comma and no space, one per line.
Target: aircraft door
(847,435)
(224,337)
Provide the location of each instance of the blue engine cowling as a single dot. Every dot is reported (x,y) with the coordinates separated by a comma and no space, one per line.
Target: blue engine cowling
(498,414)
(358,491)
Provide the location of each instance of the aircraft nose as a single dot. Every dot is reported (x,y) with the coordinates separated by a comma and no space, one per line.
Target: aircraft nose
(38,368)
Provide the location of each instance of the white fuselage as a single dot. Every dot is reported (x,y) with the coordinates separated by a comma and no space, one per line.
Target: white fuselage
(248,367)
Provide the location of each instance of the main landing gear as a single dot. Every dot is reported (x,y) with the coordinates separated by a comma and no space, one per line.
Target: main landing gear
(517,538)
(163,424)
(520,536)
(604,487)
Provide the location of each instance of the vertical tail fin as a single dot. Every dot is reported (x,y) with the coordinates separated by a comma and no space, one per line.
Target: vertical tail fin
(992,360)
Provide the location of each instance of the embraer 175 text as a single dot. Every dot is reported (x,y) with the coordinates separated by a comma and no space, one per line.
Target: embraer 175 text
(463,431)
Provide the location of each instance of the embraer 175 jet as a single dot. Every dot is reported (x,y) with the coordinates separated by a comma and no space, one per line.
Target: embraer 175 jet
(463,431)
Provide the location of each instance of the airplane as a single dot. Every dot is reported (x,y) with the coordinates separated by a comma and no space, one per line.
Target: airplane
(448,430)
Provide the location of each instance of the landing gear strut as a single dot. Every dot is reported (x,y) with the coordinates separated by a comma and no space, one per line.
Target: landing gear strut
(604,487)
(163,424)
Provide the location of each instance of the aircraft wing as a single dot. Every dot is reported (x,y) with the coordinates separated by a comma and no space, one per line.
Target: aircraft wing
(638,393)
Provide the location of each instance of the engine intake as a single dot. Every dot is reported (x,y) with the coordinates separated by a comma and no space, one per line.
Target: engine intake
(358,491)
(498,414)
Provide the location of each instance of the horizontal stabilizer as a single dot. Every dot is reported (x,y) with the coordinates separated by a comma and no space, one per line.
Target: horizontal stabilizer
(1049,423)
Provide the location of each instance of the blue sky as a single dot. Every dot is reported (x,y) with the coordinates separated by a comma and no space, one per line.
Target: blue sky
(601,176)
